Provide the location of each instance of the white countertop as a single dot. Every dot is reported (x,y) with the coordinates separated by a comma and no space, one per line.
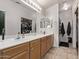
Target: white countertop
(13,41)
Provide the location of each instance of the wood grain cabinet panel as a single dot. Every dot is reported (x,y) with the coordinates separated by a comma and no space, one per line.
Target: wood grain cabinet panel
(13,51)
(35,43)
(43,46)
(52,41)
(46,44)
(35,53)
(35,49)
(49,42)
(23,55)
(0,55)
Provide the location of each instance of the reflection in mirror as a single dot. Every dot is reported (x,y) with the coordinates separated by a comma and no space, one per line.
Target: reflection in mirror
(2,21)
(26,25)
(44,23)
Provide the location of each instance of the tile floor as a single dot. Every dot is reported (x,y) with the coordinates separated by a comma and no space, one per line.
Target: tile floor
(61,53)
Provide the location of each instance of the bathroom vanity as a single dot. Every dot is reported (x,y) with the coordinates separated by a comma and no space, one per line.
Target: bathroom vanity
(30,47)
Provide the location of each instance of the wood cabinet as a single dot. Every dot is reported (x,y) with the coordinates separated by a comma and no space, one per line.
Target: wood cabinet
(43,46)
(16,52)
(35,49)
(52,40)
(23,55)
(0,55)
(40,47)
(49,42)
(46,44)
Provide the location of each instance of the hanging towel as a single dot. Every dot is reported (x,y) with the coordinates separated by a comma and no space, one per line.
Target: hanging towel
(69,29)
(62,29)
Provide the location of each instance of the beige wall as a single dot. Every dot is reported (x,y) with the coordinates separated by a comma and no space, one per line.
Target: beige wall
(14,12)
(53,14)
(78,29)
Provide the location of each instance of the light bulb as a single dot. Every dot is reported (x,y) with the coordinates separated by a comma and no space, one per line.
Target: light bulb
(66,6)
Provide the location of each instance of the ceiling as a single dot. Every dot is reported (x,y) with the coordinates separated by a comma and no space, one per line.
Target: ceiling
(48,3)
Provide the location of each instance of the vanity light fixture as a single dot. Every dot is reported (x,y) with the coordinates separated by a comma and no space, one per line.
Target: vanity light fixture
(49,26)
(65,6)
(33,5)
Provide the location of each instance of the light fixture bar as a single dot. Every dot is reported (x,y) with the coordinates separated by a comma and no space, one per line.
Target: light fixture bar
(32,5)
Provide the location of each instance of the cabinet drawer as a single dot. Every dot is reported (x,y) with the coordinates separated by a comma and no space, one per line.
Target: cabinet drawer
(23,55)
(35,53)
(50,42)
(16,50)
(35,43)
(35,49)
(43,46)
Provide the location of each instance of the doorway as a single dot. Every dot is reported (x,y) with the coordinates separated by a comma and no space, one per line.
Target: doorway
(65,28)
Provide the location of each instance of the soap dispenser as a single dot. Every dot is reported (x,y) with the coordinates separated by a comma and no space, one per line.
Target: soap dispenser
(18,35)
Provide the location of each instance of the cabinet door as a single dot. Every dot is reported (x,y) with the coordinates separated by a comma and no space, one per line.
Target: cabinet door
(51,40)
(13,51)
(48,43)
(43,46)
(0,55)
(35,49)
(23,55)
(35,52)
